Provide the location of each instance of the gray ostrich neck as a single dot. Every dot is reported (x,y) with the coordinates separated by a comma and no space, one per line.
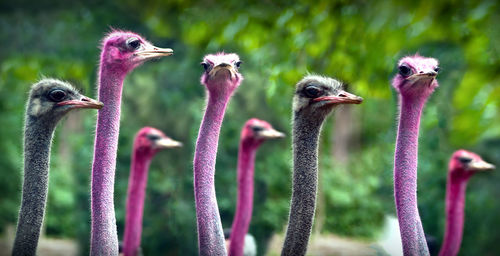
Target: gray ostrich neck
(306,131)
(38,135)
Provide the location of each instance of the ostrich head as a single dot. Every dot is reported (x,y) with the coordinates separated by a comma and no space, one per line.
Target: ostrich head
(317,95)
(416,76)
(463,164)
(123,51)
(257,131)
(221,76)
(51,99)
(150,140)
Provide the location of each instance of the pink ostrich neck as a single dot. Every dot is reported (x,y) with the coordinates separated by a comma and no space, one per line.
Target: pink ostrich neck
(243,215)
(455,204)
(135,200)
(210,234)
(104,238)
(405,176)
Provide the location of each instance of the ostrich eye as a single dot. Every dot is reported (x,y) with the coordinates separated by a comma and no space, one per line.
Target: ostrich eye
(257,129)
(436,69)
(404,70)
(237,64)
(312,91)
(464,160)
(153,137)
(133,43)
(57,95)
(205,65)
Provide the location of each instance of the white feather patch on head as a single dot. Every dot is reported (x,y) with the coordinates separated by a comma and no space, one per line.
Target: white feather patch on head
(35,107)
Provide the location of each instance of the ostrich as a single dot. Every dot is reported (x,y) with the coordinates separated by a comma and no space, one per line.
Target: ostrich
(221,78)
(414,82)
(147,143)
(314,99)
(48,102)
(254,132)
(463,164)
(121,53)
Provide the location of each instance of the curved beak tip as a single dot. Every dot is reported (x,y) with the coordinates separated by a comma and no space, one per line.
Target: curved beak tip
(167,51)
(358,100)
(280,135)
(490,167)
(98,104)
(228,68)
(91,103)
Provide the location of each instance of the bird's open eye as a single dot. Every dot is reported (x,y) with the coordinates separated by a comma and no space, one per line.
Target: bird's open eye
(404,70)
(57,95)
(153,137)
(313,91)
(205,65)
(257,128)
(133,43)
(436,69)
(464,160)
(237,64)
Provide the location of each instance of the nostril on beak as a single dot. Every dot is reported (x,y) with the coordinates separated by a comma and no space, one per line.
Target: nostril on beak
(421,72)
(223,65)
(342,95)
(85,99)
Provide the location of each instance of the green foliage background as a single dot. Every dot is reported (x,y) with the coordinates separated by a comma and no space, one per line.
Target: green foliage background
(279,41)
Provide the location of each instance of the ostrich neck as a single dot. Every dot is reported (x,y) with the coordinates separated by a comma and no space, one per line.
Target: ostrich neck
(455,204)
(37,142)
(135,202)
(210,234)
(305,184)
(104,238)
(243,215)
(405,178)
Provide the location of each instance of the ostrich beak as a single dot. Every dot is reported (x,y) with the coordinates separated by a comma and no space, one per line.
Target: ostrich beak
(222,67)
(480,165)
(342,98)
(271,134)
(84,102)
(429,73)
(423,76)
(150,51)
(166,142)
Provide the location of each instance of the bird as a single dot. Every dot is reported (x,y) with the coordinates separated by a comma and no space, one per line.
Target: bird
(414,82)
(148,141)
(315,97)
(49,100)
(121,53)
(463,165)
(220,78)
(254,132)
